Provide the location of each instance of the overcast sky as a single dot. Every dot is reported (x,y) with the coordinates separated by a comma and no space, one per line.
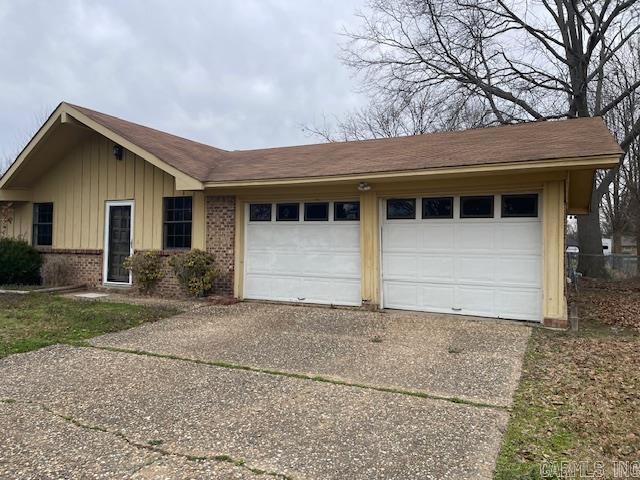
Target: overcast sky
(232,73)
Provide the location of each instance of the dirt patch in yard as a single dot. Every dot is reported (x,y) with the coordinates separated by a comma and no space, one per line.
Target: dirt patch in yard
(579,397)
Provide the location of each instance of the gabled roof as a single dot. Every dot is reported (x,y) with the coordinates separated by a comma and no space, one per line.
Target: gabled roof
(190,157)
(197,165)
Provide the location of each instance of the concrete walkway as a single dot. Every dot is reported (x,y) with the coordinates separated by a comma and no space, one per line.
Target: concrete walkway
(250,390)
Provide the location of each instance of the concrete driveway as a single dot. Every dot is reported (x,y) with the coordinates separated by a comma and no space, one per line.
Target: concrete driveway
(251,390)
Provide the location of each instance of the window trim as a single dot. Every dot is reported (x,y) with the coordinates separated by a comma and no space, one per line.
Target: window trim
(166,222)
(263,204)
(450,216)
(536,212)
(35,224)
(306,217)
(278,219)
(493,206)
(335,210)
(415,206)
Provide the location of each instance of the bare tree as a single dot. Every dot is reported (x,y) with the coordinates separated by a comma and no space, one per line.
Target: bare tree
(526,60)
(386,117)
(616,212)
(621,120)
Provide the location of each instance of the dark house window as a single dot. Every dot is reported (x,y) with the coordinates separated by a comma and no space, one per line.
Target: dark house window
(346,211)
(316,212)
(441,207)
(287,212)
(520,205)
(260,212)
(401,208)
(177,222)
(476,207)
(42,224)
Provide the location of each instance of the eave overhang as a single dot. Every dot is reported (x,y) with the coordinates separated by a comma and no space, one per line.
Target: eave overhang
(66,114)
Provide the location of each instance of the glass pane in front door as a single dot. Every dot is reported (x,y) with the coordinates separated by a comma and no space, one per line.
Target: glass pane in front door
(119,242)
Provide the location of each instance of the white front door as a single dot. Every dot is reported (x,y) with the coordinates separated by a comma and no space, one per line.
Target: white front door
(118,241)
(303,252)
(488,266)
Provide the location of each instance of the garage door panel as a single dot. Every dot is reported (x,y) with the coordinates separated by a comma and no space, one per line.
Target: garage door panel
(436,237)
(399,266)
(475,268)
(317,290)
(259,285)
(475,300)
(401,294)
(336,265)
(261,262)
(519,271)
(437,268)
(517,303)
(520,237)
(313,262)
(475,237)
(485,267)
(438,297)
(346,237)
(426,268)
(258,238)
(429,297)
(402,237)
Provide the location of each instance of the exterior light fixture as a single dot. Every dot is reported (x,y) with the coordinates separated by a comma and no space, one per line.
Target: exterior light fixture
(118,151)
(364,187)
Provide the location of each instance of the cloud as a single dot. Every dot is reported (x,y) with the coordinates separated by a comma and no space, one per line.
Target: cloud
(234,74)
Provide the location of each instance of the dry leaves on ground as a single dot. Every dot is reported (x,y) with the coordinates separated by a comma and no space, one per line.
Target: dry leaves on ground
(610,302)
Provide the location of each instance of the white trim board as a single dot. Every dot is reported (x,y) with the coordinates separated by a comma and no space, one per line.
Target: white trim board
(105,252)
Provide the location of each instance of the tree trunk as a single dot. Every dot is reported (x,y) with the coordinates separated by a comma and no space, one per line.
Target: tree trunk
(591,260)
(616,221)
(638,249)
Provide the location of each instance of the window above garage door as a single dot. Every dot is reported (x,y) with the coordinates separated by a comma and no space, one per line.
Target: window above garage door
(305,212)
(465,207)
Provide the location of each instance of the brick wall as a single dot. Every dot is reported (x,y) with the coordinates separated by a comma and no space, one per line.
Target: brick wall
(220,241)
(86,265)
(220,238)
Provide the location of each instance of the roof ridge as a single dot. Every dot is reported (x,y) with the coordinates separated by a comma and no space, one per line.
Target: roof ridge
(435,133)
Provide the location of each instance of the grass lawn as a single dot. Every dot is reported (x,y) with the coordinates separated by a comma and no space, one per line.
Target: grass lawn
(579,397)
(29,322)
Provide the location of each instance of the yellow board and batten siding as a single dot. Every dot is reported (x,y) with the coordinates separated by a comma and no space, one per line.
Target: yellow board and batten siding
(550,185)
(81,183)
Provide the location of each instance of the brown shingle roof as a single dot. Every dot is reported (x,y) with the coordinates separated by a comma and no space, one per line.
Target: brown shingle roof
(193,158)
(586,137)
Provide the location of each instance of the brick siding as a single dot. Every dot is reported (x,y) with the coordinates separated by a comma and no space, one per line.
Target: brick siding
(220,239)
(86,265)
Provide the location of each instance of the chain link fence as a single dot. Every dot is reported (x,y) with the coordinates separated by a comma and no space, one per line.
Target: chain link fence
(615,266)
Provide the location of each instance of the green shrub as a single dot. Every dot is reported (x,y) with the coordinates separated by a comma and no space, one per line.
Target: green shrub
(19,263)
(146,268)
(196,271)
(57,272)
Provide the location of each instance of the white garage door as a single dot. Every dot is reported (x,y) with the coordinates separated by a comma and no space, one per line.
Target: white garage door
(476,255)
(303,252)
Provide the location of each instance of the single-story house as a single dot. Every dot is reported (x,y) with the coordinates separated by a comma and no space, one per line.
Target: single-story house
(469,222)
